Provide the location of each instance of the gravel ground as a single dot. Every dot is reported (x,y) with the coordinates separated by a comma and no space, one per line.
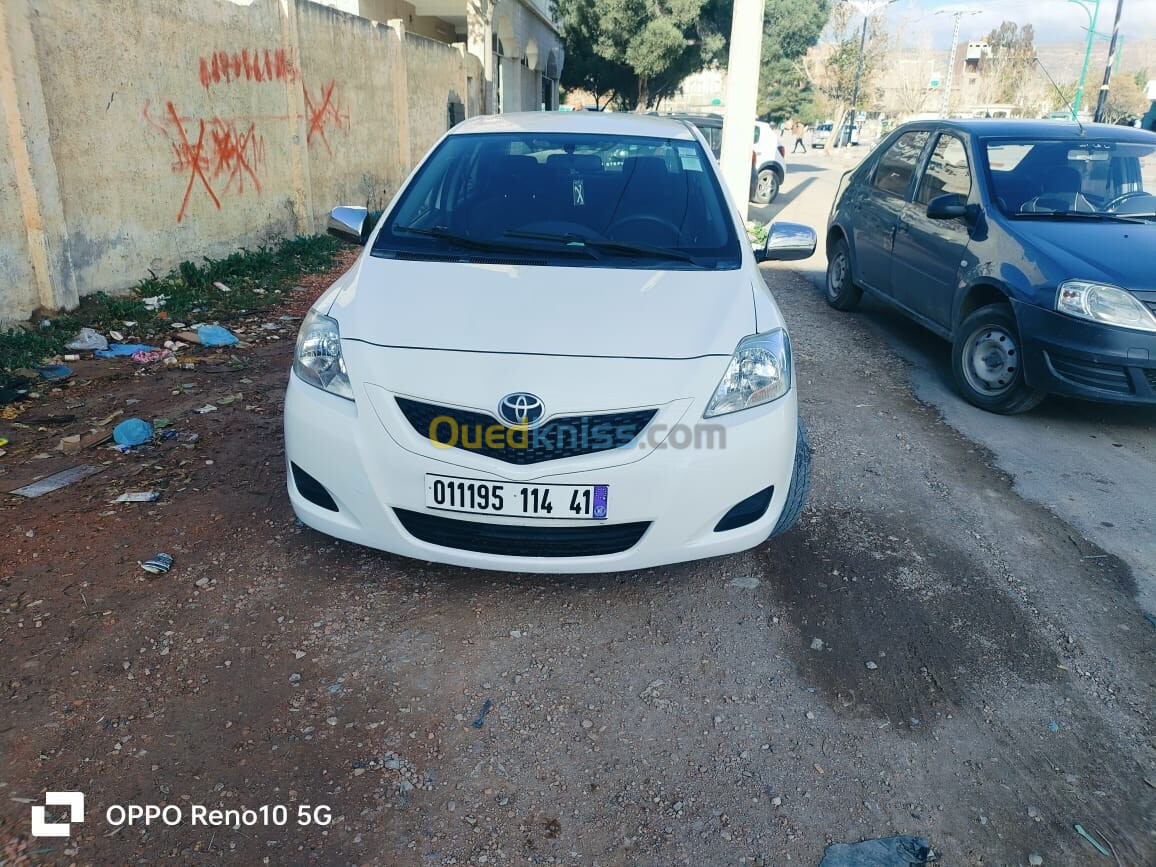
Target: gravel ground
(925,653)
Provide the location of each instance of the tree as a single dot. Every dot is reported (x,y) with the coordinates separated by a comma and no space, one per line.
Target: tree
(1007,71)
(790,29)
(637,52)
(1126,99)
(833,68)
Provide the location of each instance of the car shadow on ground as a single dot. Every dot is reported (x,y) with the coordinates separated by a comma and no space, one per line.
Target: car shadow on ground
(765,213)
(931,354)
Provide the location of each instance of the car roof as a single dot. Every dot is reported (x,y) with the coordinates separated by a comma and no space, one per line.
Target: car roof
(587,122)
(1048,129)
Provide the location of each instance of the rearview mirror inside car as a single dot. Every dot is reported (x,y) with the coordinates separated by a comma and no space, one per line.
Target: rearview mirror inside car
(787,241)
(949,206)
(349,224)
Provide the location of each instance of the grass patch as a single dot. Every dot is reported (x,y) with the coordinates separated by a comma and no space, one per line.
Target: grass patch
(255,279)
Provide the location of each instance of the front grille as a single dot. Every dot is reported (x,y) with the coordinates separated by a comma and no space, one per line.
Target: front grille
(1150,375)
(556,439)
(514,541)
(1151,306)
(1108,377)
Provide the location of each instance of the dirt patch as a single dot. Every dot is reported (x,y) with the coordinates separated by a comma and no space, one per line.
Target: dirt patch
(879,603)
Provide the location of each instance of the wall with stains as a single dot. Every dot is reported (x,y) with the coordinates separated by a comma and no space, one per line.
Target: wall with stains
(204,127)
(16,276)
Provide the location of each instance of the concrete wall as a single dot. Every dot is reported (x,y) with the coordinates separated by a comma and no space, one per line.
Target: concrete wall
(202,127)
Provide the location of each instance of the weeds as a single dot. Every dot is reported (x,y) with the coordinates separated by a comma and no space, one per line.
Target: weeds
(254,279)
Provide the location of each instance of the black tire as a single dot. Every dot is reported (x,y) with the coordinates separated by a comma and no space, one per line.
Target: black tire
(766,187)
(800,485)
(842,293)
(986,361)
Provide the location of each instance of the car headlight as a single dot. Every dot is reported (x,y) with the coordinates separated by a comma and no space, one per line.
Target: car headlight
(1102,303)
(317,359)
(759,372)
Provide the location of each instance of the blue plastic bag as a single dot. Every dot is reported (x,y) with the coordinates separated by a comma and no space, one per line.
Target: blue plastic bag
(215,335)
(123,350)
(132,432)
(888,852)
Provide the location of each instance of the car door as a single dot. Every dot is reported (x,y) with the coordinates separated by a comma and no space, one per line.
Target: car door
(879,207)
(927,254)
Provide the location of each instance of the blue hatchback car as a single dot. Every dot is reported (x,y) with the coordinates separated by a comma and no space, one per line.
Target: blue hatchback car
(1030,245)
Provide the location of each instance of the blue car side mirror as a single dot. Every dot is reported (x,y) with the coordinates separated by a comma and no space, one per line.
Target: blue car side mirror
(949,206)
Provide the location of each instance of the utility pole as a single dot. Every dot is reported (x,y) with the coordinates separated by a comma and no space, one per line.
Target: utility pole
(741,95)
(868,8)
(946,105)
(1093,13)
(1102,102)
(855,92)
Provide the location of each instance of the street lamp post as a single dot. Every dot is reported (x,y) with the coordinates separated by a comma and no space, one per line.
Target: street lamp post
(1093,12)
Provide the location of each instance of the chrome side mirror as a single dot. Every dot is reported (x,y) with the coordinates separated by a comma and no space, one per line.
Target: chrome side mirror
(349,224)
(787,241)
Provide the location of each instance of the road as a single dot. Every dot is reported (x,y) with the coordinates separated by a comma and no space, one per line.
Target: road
(718,712)
(1093,465)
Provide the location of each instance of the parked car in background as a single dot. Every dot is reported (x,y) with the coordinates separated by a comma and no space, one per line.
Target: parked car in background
(768,160)
(770,164)
(1027,244)
(554,354)
(821,133)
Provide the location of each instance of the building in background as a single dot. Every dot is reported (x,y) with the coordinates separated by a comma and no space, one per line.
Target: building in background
(517,42)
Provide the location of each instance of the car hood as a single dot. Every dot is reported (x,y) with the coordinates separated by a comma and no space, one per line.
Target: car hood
(1116,253)
(544,310)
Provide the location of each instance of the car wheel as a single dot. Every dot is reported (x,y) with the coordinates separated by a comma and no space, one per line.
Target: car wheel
(842,293)
(987,362)
(766,187)
(800,485)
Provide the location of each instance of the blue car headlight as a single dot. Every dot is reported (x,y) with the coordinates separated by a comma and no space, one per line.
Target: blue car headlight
(1100,302)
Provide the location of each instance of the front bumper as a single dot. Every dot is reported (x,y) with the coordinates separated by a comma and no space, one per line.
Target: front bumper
(1068,356)
(373,465)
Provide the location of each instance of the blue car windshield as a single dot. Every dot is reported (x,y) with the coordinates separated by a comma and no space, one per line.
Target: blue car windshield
(582,200)
(1072,177)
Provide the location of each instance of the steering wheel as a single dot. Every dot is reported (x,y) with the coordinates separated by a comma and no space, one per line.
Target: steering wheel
(1123,197)
(644,220)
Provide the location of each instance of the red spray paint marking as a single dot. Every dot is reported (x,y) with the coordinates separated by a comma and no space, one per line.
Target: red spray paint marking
(323,112)
(225,67)
(233,149)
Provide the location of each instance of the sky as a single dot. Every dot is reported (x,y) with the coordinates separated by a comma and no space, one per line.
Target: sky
(1053,20)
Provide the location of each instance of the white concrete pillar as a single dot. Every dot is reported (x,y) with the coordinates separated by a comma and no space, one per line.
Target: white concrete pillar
(34,167)
(741,95)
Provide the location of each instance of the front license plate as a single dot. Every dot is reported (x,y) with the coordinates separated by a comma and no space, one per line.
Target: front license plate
(479,497)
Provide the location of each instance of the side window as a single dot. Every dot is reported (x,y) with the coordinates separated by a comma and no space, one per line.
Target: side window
(947,171)
(897,165)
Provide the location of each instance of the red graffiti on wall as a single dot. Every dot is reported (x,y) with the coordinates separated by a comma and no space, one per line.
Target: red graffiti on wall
(322,112)
(275,64)
(209,150)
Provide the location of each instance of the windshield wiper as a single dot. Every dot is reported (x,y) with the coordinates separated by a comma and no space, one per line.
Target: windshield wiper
(1095,216)
(444,234)
(573,239)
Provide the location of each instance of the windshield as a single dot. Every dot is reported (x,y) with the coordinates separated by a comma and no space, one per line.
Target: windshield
(590,200)
(1068,177)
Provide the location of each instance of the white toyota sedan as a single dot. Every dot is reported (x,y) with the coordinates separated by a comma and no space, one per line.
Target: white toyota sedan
(556,353)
